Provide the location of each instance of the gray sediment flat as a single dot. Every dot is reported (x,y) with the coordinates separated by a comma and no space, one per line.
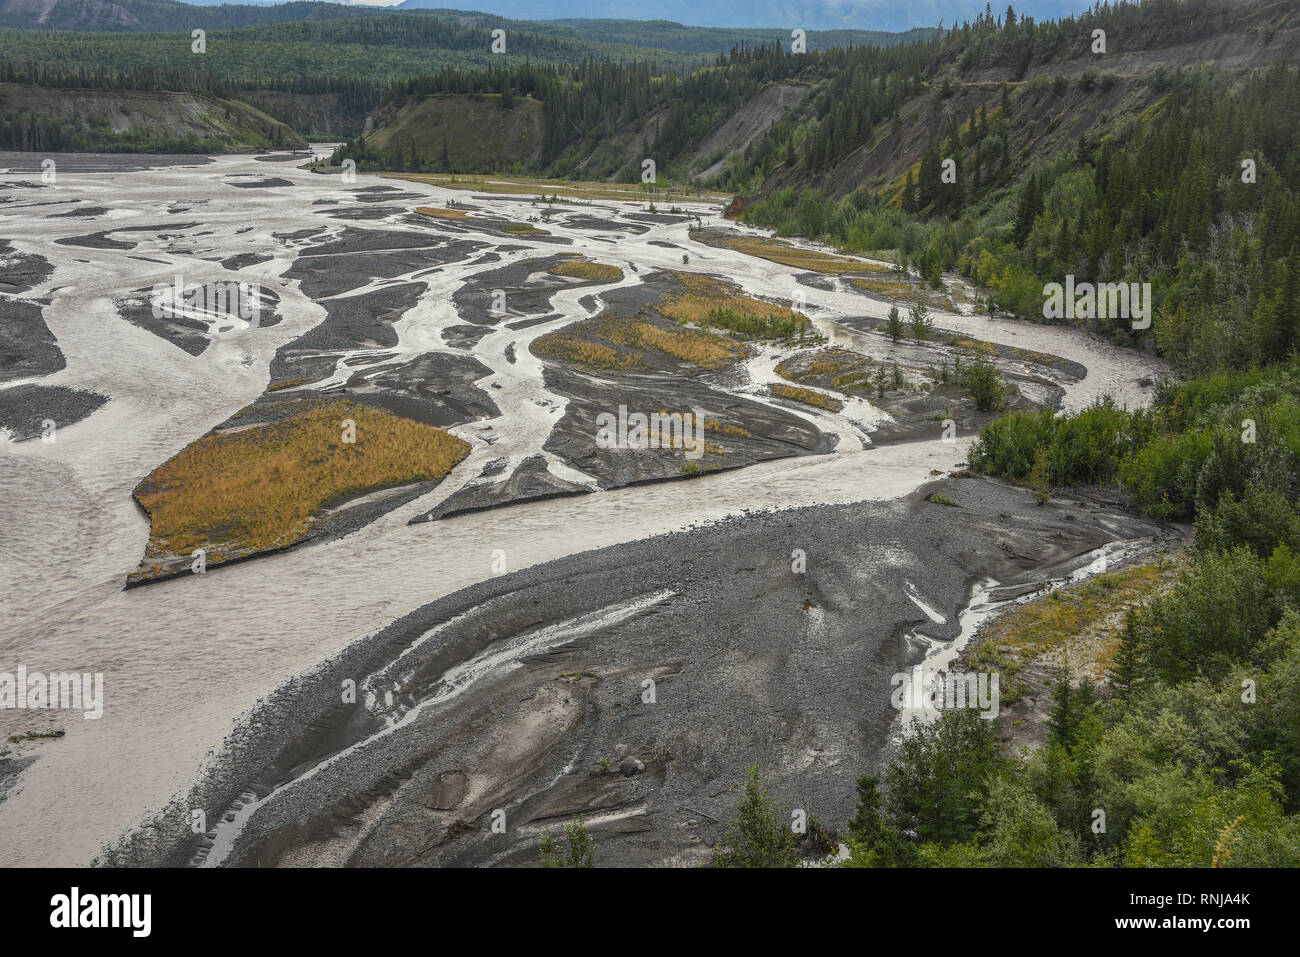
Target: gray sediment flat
(528,288)
(186,332)
(99,162)
(24,409)
(605,225)
(531,481)
(355,322)
(272,182)
(27,347)
(358,256)
(527,692)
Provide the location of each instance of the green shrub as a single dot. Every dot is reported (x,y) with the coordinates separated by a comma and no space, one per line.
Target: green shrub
(1162,476)
(1022,832)
(984,383)
(1009,446)
(580,850)
(1262,519)
(759,834)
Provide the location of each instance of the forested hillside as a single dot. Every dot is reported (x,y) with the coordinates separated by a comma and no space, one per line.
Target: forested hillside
(321,67)
(668,35)
(319,76)
(595,108)
(140,15)
(809,14)
(135,121)
(1188,179)
(1185,753)
(384,47)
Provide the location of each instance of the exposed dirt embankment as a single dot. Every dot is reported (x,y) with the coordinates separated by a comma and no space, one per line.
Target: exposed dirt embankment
(743,127)
(1041,119)
(621,152)
(117,118)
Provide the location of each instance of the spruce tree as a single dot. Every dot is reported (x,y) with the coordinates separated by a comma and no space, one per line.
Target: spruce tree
(909,192)
(894,324)
(874,841)
(1070,705)
(1027,210)
(1126,671)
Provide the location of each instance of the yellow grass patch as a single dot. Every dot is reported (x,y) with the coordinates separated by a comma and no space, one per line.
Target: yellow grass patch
(438,213)
(532,186)
(806,396)
(585,269)
(698,348)
(811,260)
(1083,620)
(885,287)
(567,347)
(706,301)
(976,345)
(1042,358)
(260,488)
(523,229)
(594,344)
(713,425)
(842,367)
(287,384)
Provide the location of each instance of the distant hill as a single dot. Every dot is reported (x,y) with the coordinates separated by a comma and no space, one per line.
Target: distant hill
(320,67)
(371,47)
(887,15)
(681,38)
(113,15)
(470,132)
(168,15)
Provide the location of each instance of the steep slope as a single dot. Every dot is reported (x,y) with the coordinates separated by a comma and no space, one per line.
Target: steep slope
(467,132)
(45,118)
(743,128)
(1057,91)
(1042,120)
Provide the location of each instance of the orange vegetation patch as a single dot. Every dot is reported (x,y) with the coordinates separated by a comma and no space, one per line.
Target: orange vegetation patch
(806,396)
(618,344)
(437,213)
(585,269)
(261,488)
